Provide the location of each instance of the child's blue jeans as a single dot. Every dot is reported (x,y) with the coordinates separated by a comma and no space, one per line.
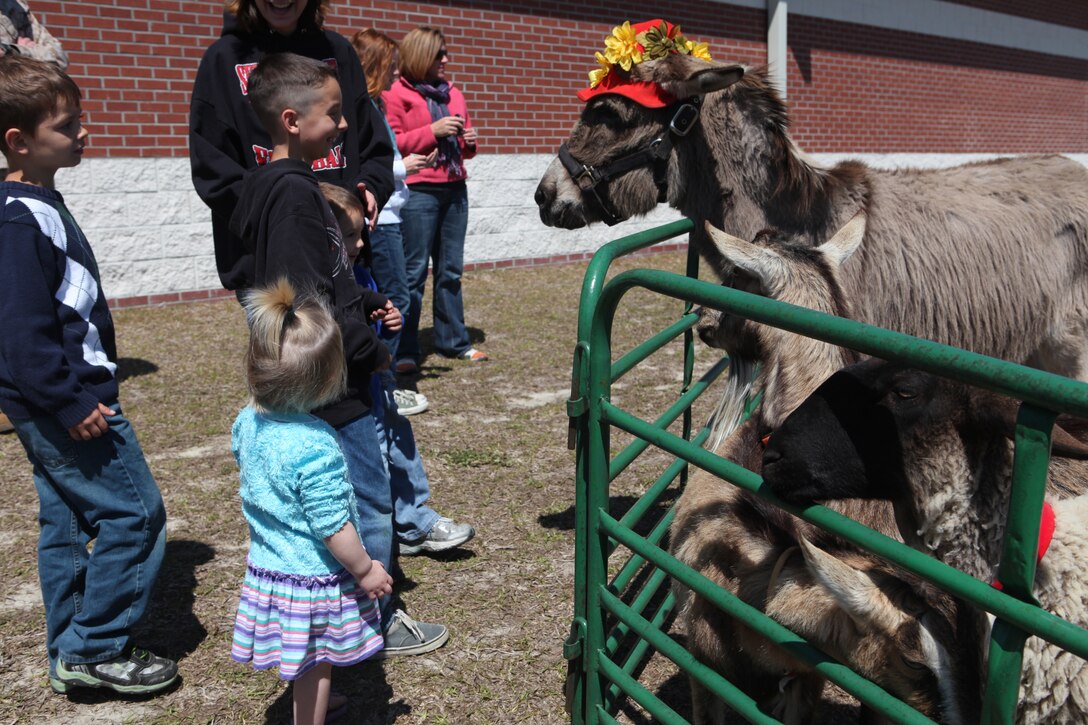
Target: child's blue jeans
(373,495)
(389,272)
(100,490)
(412,518)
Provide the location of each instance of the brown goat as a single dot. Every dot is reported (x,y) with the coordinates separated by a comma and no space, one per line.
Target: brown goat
(991,257)
(749,548)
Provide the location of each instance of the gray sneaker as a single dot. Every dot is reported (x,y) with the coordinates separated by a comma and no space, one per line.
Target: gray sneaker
(409,402)
(135,671)
(405,636)
(445,534)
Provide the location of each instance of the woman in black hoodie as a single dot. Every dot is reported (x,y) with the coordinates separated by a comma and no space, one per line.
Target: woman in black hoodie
(226,138)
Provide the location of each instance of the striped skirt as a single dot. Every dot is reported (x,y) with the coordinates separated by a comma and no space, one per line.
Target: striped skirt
(295,622)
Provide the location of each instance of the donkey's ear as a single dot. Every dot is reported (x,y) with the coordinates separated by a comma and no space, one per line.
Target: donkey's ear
(1069,437)
(760,262)
(855,591)
(685,75)
(1066,445)
(846,241)
(715,79)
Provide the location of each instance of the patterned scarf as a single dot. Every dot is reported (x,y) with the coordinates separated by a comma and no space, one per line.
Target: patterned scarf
(449,151)
(19,17)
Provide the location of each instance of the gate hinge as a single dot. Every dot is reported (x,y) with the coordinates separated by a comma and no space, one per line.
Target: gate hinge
(572,648)
(577,405)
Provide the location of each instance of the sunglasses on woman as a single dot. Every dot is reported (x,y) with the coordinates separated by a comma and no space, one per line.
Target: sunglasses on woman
(441,55)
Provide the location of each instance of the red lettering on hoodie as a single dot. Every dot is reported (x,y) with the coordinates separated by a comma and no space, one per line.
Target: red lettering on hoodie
(242,70)
(335,159)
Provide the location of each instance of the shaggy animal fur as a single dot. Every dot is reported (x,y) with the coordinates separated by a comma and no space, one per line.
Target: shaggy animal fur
(940,451)
(750,548)
(991,257)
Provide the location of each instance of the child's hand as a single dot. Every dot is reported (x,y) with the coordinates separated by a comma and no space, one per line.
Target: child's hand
(93,426)
(378,314)
(371,205)
(377,582)
(393,320)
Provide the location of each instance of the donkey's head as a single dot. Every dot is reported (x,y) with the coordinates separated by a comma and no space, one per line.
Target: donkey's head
(618,160)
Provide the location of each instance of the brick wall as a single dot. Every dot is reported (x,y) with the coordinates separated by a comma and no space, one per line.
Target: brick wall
(852,87)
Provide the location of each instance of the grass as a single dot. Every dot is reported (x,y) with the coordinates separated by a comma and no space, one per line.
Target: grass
(494,443)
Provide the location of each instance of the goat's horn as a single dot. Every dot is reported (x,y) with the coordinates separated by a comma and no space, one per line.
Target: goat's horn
(723,240)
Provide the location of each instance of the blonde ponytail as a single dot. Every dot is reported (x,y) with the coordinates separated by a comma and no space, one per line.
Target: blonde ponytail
(295,360)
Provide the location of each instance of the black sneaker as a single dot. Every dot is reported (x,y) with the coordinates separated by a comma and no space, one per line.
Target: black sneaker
(135,672)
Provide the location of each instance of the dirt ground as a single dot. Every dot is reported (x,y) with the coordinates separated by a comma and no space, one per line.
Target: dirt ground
(494,443)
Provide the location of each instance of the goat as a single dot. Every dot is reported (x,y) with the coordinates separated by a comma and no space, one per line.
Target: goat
(945,253)
(940,452)
(746,546)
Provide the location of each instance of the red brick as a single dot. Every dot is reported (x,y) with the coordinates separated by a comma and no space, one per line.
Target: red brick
(851,87)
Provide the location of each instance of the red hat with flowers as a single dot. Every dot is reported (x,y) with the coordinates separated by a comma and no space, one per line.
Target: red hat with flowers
(629,45)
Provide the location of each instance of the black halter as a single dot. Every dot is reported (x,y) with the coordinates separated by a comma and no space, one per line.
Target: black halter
(588,178)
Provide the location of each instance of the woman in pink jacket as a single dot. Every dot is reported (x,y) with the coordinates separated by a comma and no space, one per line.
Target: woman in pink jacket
(426,113)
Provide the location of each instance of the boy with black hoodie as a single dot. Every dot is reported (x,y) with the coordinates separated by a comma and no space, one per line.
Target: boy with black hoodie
(290,230)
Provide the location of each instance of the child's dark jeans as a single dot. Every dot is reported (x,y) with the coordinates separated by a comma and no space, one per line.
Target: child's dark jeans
(99,489)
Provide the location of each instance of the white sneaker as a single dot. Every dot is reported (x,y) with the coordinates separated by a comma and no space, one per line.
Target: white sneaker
(445,534)
(410,402)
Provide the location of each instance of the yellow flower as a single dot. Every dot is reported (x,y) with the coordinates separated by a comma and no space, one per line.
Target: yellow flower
(597,75)
(699,50)
(621,48)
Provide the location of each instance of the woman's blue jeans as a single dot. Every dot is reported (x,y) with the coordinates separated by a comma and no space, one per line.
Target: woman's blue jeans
(434,221)
(99,490)
(389,272)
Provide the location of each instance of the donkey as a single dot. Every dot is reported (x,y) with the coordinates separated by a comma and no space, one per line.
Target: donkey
(749,547)
(992,256)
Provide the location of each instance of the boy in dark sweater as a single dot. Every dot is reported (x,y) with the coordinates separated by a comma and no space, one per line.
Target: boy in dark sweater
(286,224)
(58,386)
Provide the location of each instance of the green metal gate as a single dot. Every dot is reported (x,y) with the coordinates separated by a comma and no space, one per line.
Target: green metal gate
(619,615)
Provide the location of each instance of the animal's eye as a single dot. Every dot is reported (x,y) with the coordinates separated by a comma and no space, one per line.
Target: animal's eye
(919,665)
(605,115)
(905,394)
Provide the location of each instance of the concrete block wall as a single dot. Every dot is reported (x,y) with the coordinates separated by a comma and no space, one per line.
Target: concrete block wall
(154,242)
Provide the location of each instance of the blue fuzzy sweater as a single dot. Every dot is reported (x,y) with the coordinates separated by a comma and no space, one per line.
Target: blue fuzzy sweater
(57,349)
(295,490)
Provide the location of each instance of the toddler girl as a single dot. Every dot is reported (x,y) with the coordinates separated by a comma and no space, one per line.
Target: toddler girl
(306,603)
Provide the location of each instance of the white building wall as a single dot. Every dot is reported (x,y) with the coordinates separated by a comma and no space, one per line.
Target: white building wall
(152,234)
